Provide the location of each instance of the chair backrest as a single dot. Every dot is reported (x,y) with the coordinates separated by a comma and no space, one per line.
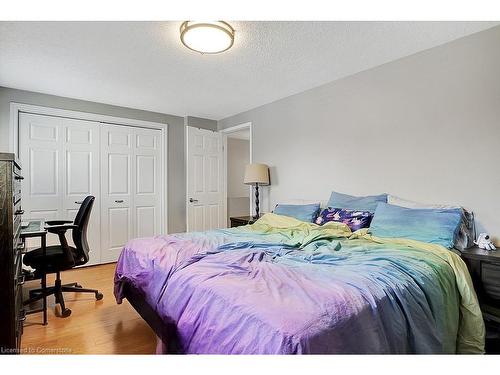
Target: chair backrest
(80,233)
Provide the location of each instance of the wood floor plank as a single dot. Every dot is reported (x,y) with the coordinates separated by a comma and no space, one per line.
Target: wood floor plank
(94,327)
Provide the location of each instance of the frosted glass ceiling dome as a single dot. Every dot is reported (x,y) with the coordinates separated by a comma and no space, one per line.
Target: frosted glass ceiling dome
(207,36)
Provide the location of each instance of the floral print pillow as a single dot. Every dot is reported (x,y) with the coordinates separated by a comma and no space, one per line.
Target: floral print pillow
(354,219)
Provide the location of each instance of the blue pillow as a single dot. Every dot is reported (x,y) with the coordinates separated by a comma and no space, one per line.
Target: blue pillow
(437,226)
(351,202)
(304,212)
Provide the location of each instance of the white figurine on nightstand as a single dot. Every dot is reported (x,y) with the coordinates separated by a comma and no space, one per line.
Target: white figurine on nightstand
(484,242)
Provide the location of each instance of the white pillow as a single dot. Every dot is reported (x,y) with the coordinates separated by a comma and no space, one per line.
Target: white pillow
(392,199)
(303,201)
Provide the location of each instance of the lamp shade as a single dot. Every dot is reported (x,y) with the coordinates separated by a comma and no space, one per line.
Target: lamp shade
(256,174)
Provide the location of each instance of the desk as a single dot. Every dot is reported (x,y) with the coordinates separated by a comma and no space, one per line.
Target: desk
(36,228)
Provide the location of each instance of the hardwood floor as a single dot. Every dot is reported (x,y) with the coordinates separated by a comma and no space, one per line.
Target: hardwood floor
(94,327)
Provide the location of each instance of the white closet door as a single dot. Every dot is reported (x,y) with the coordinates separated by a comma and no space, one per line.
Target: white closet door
(81,177)
(148,182)
(42,162)
(204,183)
(60,158)
(131,166)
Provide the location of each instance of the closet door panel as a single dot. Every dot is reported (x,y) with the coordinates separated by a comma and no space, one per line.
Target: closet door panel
(116,190)
(148,182)
(81,149)
(41,155)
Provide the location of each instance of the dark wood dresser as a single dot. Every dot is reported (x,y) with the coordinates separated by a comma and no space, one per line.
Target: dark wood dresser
(12,313)
(484,268)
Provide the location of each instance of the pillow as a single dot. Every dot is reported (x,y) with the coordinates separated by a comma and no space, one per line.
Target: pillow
(466,233)
(351,202)
(437,226)
(394,200)
(304,212)
(353,219)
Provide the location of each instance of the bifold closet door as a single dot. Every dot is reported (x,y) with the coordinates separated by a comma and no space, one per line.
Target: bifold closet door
(131,185)
(60,160)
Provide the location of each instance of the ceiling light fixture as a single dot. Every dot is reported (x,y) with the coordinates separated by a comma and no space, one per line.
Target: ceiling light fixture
(207,37)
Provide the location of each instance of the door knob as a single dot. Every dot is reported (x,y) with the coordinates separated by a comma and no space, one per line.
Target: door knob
(191,200)
(78,202)
(119,201)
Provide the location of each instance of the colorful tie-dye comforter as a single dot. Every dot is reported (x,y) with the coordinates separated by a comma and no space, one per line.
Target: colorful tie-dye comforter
(282,286)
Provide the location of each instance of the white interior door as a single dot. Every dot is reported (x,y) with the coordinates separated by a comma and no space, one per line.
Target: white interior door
(205,194)
(131,170)
(60,159)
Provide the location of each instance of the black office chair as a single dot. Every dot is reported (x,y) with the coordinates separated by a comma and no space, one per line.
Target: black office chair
(63,257)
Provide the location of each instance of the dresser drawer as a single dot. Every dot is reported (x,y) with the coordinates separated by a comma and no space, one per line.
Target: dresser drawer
(20,316)
(18,273)
(490,277)
(16,183)
(18,210)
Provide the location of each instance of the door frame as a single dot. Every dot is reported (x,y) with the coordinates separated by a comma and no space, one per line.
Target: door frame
(225,132)
(17,108)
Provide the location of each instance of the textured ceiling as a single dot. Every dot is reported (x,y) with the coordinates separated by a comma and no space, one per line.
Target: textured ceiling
(143,64)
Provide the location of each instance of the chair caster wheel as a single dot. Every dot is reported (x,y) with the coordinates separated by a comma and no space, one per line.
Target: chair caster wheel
(65,313)
(99,296)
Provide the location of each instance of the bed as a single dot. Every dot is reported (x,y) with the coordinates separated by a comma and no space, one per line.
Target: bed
(284,286)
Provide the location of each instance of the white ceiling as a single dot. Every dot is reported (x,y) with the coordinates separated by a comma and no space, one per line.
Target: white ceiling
(143,64)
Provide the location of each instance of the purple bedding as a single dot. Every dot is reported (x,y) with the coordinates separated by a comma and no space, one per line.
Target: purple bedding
(235,291)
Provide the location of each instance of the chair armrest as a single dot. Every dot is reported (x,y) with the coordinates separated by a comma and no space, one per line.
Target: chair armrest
(59,229)
(58,222)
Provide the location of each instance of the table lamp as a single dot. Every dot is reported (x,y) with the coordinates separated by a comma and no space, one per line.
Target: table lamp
(256,174)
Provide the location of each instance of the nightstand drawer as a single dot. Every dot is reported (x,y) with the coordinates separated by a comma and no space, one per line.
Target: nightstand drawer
(490,277)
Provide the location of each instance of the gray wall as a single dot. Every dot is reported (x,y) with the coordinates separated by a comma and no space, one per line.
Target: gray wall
(198,122)
(425,128)
(176,159)
(238,156)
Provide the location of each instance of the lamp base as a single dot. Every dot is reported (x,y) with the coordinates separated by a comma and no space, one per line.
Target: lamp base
(256,216)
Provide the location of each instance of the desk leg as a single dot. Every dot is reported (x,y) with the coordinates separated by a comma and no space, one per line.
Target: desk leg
(44,281)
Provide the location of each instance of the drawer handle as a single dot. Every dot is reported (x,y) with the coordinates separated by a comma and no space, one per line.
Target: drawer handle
(22,318)
(19,212)
(19,177)
(119,201)
(21,279)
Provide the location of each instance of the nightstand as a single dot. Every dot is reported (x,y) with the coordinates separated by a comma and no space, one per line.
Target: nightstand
(238,221)
(484,268)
